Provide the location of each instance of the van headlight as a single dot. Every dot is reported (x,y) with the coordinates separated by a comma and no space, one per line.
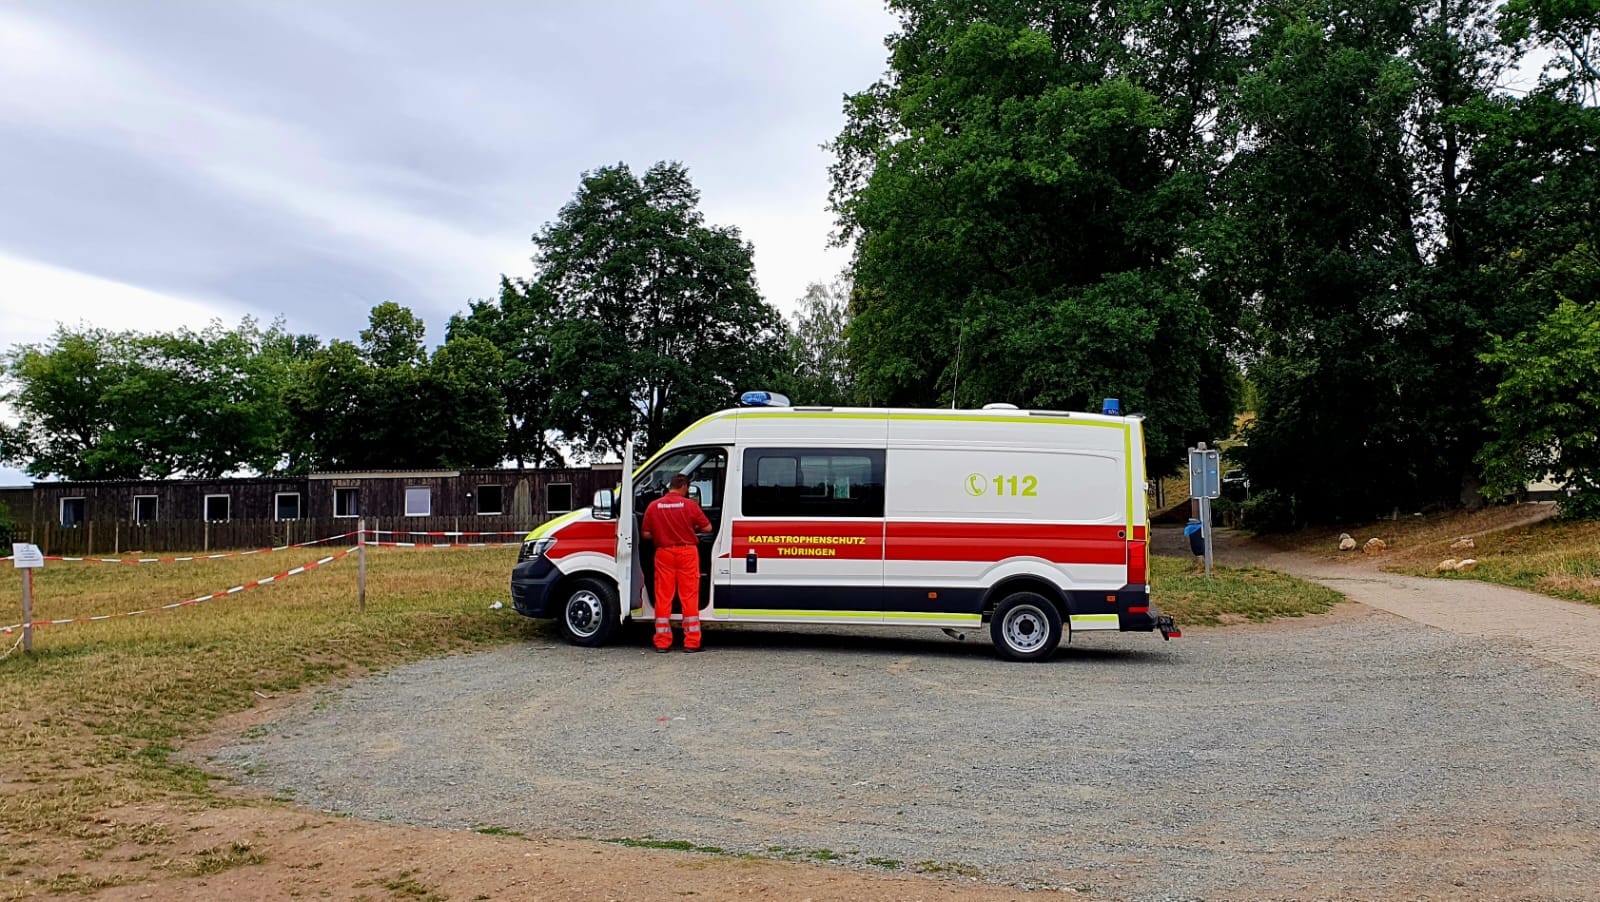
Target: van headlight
(535,548)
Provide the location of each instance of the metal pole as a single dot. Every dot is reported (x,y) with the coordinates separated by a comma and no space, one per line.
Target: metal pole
(1205,529)
(27,611)
(361,561)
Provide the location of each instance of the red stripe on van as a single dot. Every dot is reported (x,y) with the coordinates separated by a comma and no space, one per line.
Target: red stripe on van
(998,541)
(585,535)
(859,540)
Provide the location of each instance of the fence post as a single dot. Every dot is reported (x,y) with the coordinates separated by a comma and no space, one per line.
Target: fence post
(27,611)
(116,538)
(88,551)
(361,561)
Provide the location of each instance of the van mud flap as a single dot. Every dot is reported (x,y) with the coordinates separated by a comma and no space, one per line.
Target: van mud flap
(1169,628)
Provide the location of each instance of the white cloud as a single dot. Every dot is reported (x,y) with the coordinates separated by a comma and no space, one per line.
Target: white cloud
(35,297)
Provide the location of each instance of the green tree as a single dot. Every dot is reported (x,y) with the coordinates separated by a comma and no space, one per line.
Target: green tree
(655,318)
(96,404)
(1546,409)
(386,404)
(1022,187)
(393,337)
(1388,200)
(519,325)
(820,370)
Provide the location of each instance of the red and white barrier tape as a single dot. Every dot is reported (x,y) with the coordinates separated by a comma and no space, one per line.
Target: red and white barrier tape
(187,602)
(403,532)
(442,544)
(193,557)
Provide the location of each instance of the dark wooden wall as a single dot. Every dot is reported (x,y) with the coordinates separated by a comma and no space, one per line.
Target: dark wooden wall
(179,526)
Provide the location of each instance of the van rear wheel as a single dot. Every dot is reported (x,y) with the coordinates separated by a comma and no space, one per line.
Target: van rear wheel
(1025,627)
(588,613)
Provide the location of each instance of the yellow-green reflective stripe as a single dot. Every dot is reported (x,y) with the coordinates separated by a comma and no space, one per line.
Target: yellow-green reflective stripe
(953,618)
(1086,619)
(859,615)
(1127,461)
(855,615)
(969,418)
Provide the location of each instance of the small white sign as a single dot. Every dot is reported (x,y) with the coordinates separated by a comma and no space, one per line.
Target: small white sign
(25,555)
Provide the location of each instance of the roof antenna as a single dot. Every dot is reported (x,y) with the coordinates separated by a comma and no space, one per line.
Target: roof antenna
(956,384)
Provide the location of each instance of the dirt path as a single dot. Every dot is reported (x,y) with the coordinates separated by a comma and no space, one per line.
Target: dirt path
(1566,633)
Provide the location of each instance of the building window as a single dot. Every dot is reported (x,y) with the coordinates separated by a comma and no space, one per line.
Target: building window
(491,499)
(286,506)
(419,501)
(558,497)
(144,509)
(813,482)
(218,507)
(346,502)
(74,511)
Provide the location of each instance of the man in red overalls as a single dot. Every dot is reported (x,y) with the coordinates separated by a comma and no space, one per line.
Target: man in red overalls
(671,522)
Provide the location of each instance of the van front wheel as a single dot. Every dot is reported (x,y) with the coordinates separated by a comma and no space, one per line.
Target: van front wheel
(588,613)
(1025,627)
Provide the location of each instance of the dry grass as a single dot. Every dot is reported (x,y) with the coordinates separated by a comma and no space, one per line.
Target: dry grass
(1412,532)
(1555,558)
(89,722)
(1516,545)
(1232,594)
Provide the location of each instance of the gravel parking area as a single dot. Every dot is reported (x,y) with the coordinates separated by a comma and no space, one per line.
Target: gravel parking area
(1351,755)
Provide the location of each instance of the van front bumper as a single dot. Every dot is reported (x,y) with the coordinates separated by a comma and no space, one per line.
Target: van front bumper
(533,584)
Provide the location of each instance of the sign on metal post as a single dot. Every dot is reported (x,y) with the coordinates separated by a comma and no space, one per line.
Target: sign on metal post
(1205,473)
(27,558)
(1205,483)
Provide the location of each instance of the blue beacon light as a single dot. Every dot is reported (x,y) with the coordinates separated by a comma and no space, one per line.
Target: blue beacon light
(1111,407)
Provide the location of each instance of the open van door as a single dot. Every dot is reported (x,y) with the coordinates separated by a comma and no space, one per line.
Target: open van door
(630,575)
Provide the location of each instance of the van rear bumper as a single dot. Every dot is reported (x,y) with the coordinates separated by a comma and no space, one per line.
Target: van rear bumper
(1135,613)
(533,584)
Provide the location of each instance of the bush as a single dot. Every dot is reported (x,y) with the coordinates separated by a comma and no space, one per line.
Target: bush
(1271,511)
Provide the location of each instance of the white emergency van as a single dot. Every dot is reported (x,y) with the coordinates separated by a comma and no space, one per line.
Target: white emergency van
(1031,522)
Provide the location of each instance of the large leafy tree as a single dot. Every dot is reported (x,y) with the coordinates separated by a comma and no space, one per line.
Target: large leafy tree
(387,404)
(519,325)
(1389,201)
(653,317)
(1023,190)
(96,404)
(1546,409)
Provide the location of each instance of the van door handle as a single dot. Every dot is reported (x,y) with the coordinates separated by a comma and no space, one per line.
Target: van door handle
(750,562)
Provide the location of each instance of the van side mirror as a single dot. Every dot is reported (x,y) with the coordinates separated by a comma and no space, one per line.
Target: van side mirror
(605,505)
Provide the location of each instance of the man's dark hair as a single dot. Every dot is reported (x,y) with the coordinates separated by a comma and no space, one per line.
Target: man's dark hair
(679,481)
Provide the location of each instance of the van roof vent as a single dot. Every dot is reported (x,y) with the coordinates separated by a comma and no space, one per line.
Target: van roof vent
(999,405)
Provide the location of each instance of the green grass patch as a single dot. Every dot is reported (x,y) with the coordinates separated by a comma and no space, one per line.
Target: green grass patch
(947,867)
(673,845)
(888,864)
(499,831)
(94,714)
(1232,594)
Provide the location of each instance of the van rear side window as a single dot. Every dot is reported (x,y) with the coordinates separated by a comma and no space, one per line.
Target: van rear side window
(813,482)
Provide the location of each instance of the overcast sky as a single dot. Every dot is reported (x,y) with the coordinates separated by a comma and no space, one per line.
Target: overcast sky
(163,163)
(166,162)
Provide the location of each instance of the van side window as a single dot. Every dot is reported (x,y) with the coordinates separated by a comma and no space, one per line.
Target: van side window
(813,482)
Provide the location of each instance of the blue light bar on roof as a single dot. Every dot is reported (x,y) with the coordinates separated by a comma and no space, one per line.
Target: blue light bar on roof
(763,399)
(1111,407)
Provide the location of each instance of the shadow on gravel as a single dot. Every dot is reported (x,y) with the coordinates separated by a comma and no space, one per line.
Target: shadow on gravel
(891,641)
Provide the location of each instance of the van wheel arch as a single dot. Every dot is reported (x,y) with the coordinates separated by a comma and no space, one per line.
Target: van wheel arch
(1012,585)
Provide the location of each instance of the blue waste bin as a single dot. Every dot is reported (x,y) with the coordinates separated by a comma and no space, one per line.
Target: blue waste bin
(1196,536)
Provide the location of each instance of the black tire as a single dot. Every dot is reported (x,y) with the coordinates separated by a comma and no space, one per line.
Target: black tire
(1025,627)
(588,615)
